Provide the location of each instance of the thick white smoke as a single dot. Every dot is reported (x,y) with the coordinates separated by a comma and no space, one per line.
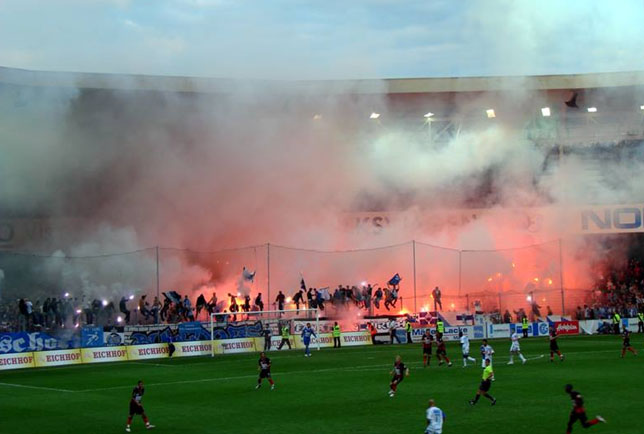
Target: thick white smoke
(124,169)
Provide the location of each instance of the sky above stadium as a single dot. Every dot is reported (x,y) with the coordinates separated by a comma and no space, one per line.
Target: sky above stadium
(330,39)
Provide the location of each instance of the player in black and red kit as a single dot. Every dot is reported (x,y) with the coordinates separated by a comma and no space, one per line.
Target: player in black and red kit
(428,341)
(554,346)
(399,373)
(441,351)
(627,344)
(264,371)
(578,412)
(136,407)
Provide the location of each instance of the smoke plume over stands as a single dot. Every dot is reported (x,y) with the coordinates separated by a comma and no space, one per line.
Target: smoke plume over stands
(136,169)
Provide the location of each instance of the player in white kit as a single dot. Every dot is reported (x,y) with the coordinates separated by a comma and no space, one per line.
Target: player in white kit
(486,352)
(465,348)
(435,419)
(515,348)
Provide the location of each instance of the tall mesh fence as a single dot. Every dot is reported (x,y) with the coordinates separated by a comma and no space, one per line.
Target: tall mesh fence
(59,289)
(353,268)
(221,273)
(510,279)
(101,276)
(526,278)
(438,267)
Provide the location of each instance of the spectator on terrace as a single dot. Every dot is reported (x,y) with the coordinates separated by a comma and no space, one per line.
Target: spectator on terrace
(45,312)
(201,304)
(188,310)
(165,310)
(310,299)
(156,308)
(258,302)
(23,318)
(436,294)
(507,318)
(246,305)
(144,307)
(319,299)
(212,303)
(38,316)
(388,298)
(110,309)
(124,310)
(376,301)
(96,308)
(279,300)
(187,307)
(579,315)
(536,313)
(367,297)
(87,310)
(234,307)
(298,299)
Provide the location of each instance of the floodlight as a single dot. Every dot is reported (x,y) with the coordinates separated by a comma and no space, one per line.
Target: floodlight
(592,109)
(428,115)
(545,112)
(490,113)
(374,115)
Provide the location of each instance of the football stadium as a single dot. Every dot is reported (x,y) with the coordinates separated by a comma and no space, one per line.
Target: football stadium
(438,255)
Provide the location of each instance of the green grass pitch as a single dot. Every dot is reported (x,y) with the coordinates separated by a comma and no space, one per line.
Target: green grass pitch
(335,391)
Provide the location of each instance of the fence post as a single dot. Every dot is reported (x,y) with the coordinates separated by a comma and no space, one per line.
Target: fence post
(561,278)
(459,272)
(157,252)
(268,273)
(413,244)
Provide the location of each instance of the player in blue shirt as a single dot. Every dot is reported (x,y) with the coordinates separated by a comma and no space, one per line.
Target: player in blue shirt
(306,338)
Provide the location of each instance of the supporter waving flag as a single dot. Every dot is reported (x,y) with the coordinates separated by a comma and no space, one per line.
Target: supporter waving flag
(174,296)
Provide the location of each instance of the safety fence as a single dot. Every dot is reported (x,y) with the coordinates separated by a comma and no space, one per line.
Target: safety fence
(468,280)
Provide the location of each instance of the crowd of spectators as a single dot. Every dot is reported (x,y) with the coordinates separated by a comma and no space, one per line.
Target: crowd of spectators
(67,311)
(622,291)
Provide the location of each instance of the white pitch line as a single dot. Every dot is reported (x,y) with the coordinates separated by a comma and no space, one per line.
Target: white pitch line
(348,368)
(160,365)
(240,377)
(24,386)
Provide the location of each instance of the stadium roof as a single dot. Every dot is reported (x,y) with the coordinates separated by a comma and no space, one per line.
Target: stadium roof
(22,77)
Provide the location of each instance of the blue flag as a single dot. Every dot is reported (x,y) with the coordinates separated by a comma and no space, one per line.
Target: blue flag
(395,280)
